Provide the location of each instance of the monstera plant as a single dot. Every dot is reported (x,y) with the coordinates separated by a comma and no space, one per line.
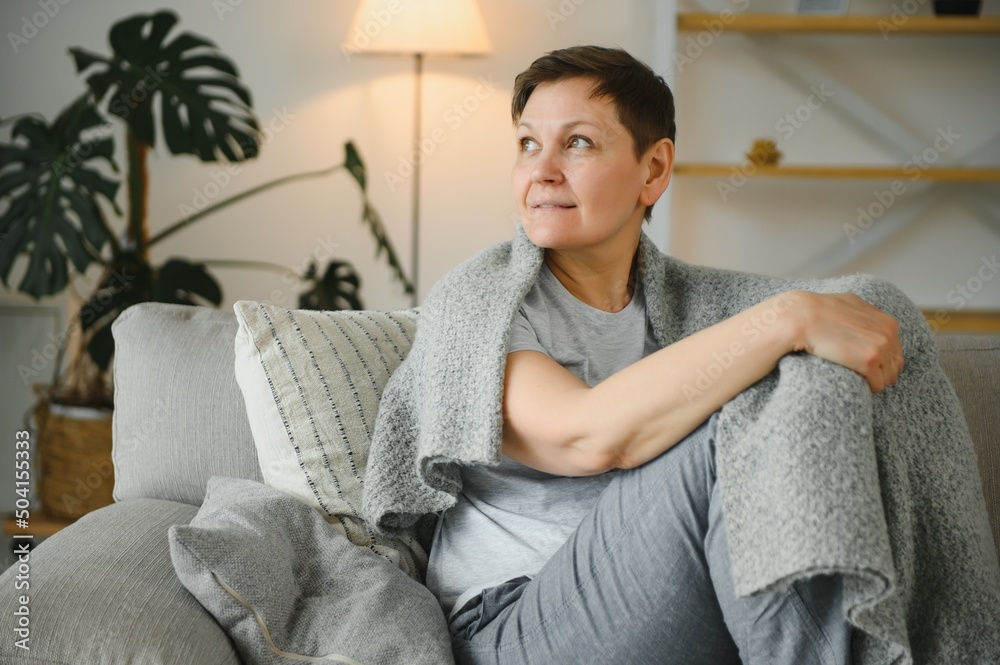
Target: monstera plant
(60,182)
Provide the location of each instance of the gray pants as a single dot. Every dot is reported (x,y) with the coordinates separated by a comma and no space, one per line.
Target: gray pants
(646,579)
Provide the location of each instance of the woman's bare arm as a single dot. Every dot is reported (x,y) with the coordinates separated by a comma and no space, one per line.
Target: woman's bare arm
(556,423)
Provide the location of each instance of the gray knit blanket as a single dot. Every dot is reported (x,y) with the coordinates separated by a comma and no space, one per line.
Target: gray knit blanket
(818,474)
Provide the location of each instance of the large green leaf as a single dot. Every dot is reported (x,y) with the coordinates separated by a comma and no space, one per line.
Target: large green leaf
(336,290)
(185,283)
(51,191)
(204,107)
(354,165)
(371,217)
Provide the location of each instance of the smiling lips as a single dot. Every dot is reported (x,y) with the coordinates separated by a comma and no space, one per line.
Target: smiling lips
(550,206)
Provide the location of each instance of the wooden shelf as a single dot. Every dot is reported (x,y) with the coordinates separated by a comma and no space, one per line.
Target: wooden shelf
(950,174)
(39,525)
(851,23)
(963,321)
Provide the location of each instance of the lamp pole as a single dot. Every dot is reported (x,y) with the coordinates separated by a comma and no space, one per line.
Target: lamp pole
(417,159)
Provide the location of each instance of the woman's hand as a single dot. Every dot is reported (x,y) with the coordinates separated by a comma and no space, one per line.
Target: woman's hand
(843,328)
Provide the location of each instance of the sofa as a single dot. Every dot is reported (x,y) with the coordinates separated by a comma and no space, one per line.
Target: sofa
(107,588)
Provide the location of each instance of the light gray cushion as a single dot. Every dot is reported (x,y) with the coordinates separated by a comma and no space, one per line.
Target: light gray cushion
(312,381)
(179,416)
(288,586)
(972,363)
(103,592)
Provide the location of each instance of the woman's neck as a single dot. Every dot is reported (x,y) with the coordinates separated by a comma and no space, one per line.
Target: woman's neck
(605,285)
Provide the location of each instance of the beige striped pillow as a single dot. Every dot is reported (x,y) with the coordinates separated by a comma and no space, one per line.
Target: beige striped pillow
(312,381)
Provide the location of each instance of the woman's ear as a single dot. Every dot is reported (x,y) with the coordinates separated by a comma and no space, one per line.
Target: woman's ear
(659,161)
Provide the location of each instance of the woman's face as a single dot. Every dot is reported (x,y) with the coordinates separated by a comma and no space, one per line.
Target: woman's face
(576,179)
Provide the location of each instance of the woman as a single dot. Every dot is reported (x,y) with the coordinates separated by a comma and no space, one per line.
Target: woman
(586,175)
(600,535)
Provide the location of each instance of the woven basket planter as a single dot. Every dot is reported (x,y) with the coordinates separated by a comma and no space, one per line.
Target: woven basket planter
(74,452)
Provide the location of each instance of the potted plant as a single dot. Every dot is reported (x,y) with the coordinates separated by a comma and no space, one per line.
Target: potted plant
(60,181)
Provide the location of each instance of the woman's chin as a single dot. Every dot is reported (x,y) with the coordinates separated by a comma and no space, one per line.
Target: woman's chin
(546,235)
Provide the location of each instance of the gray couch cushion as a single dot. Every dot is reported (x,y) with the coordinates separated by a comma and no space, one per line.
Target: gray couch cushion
(288,586)
(179,415)
(972,363)
(103,592)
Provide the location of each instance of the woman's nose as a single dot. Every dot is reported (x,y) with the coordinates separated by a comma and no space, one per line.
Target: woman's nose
(547,167)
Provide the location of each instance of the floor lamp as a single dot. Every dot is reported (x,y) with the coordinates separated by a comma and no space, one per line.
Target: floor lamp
(417,28)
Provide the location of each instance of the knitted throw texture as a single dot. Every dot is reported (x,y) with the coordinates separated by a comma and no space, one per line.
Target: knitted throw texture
(818,474)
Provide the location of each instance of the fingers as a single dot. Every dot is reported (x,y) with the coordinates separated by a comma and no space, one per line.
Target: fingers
(846,329)
(886,346)
(896,361)
(891,360)
(882,375)
(888,376)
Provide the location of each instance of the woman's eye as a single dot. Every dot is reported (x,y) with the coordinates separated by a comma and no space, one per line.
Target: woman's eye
(528,144)
(580,142)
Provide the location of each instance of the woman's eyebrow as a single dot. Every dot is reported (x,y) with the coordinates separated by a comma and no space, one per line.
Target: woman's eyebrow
(566,125)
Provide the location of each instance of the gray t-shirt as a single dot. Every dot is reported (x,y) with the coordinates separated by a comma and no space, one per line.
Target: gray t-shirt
(510,519)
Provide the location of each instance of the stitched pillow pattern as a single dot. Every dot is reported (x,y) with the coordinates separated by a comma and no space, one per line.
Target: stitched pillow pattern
(312,381)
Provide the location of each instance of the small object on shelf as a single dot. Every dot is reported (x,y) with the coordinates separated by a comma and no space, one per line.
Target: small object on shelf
(764,152)
(957,7)
(826,7)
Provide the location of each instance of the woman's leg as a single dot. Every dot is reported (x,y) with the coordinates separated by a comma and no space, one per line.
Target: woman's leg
(631,585)
(803,624)
(634,583)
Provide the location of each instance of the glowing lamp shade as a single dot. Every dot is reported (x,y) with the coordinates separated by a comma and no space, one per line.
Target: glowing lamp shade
(428,27)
